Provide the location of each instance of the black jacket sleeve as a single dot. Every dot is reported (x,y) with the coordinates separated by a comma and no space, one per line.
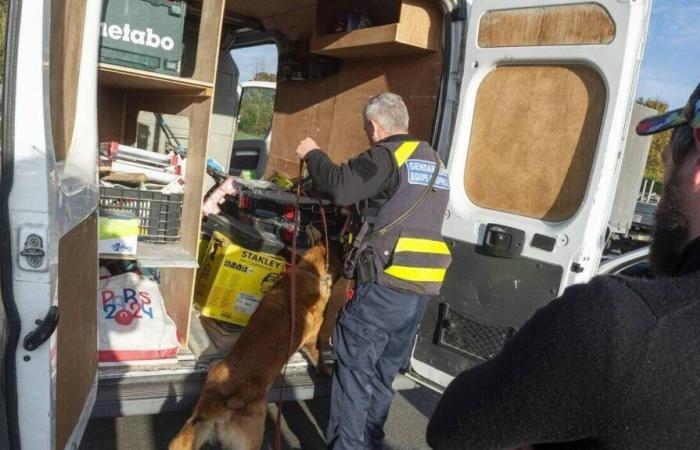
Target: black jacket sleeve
(367,175)
(560,378)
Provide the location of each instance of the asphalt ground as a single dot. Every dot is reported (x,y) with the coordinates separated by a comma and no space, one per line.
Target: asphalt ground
(303,426)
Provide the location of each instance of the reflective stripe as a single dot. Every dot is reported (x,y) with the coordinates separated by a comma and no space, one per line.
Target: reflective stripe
(405,151)
(417,274)
(421,246)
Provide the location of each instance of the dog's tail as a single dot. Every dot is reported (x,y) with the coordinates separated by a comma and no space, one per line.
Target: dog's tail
(200,428)
(196,432)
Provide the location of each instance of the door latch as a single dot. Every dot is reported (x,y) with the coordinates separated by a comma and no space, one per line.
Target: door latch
(43,331)
(34,251)
(503,241)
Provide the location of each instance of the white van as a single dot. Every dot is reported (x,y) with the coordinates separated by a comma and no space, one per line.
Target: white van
(526,101)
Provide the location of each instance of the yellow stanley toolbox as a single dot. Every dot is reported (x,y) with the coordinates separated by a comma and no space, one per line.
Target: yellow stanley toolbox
(232,280)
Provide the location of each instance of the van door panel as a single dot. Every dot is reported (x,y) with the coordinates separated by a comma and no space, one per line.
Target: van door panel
(475,315)
(543,108)
(77,328)
(54,196)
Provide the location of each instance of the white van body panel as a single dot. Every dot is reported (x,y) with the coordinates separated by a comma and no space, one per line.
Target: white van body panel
(580,239)
(48,199)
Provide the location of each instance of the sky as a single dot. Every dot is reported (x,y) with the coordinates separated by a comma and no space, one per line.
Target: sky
(251,60)
(671,65)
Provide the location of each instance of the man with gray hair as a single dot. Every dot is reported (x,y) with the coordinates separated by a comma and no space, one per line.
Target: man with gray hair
(397,258)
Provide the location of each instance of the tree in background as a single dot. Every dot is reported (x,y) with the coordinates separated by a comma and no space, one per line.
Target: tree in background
(255,114)
(655,165)
(265,76)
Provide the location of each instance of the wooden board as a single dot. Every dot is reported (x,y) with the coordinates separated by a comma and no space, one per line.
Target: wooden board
(296,25)
(135,79)
(420,24)
(149,254)
(111,107)
(177,284)
(265,8)
(579,24)
(367,43)
(380,12)
(77,326)
(408,26)
(209,41)
(534,137)
(64,70)
(124,93)
(330,110)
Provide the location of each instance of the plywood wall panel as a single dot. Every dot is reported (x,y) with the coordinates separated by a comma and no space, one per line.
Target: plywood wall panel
(76,334)
(330,110)
(534,139)
(296,25)
(587,23)
(67,25)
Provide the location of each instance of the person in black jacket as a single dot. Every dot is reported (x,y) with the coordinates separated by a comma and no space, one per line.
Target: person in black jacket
(612,364)
(398,260)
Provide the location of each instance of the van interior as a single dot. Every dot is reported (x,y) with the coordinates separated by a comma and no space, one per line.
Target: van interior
(321,78)
(529,85)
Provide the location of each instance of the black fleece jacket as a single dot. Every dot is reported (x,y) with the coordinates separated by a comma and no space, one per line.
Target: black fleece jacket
(613,364)
(371,174)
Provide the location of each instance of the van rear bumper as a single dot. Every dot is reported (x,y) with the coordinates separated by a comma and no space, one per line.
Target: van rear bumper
(168,390)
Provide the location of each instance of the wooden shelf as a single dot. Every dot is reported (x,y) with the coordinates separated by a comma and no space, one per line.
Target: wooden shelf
(128,78)
(401,27)
(159,255)
(184,359)
(385,40)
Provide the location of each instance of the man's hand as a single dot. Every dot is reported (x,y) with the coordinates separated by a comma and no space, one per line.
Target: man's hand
(306,146)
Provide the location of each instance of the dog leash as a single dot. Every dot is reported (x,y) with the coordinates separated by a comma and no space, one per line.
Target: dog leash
(325,233)
(292,308)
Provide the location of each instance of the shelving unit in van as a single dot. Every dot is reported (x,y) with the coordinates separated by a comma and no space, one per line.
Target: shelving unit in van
(123,93)
(399,27)
(128,78)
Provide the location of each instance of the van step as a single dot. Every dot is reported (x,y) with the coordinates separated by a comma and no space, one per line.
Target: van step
(175,389)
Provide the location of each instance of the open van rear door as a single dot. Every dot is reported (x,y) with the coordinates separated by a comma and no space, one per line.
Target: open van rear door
(50,197)
(543,107)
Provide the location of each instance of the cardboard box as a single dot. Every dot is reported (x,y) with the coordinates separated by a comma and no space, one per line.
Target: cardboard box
(232,280)
(202,247)
(118,233)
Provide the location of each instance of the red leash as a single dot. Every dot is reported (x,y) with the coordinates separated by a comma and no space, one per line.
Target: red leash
(325,232)
(293,308)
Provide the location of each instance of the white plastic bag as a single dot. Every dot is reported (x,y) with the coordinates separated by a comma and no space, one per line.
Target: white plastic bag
(132,322)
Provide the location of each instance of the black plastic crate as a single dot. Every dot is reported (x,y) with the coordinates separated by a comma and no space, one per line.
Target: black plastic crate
(160,214)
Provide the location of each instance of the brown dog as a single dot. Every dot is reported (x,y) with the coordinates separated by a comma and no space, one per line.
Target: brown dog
(232,405)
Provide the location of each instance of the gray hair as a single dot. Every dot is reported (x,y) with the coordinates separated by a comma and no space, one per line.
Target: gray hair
(389,111)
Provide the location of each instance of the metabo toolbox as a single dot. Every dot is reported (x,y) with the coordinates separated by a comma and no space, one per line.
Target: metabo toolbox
(143,34)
